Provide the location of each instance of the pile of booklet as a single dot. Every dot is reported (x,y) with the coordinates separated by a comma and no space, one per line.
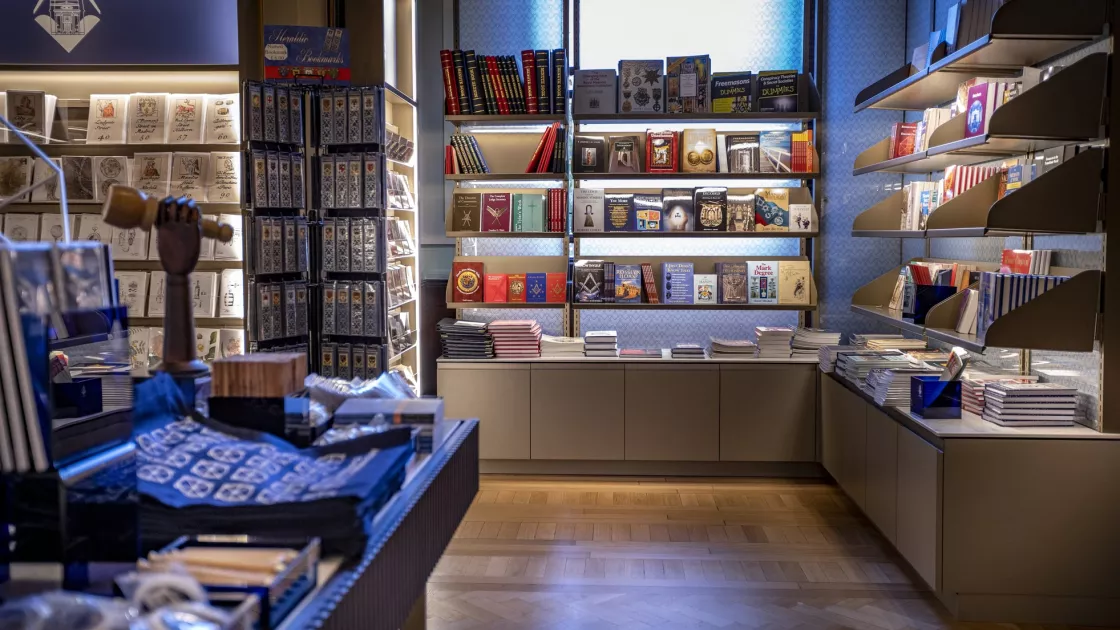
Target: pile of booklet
(892,386)
(828,354)
(731,348)
(855,367)
(516,339)
(896,344)
(972,388)
(465,340)
(773,342)
(809,341)
(688,351)
(561,346)
(860,340)
(1030,404)
(600,343)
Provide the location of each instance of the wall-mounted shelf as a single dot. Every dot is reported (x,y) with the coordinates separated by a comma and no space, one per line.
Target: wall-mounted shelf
(698,176)
(694,307)
(509,177)
(705,117)
(458,305)
(594,235)
(508,119)
(199,322)
(506,235)
(1023,33)
(56,149)
(508,265)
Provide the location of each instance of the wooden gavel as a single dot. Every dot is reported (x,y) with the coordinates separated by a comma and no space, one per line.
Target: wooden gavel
(129,208)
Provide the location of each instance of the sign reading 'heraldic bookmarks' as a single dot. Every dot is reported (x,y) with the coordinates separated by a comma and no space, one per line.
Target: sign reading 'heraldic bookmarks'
(307,53)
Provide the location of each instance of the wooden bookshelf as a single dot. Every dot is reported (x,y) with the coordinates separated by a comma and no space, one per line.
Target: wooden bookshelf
(507,119)
(693,176)
(697,118)
(505,177)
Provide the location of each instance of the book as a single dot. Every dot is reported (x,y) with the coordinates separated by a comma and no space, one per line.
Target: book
(204,293)
(704,288)
(698,147)
(556,283)
(587,280)
(559,81)
(647,212)
(676,282)
(662,151)
(628,284)
(222,118)
(678,214)
(794,282)
(496,215)
(466,212)
(732,92)
(50,228)
(903,139)
(589,154)
(624,155)
(151,173)
(188,175)
(41,170)
(595,92)
(732,283)
(686,84)
(641,85)
(516,288)
(544,82)
(771,210)
(710,204)
(978,110)
(147,118)
(15,175)
(30,112)
(739,152)
(231,296)
(466,281)
(78,173)
(588,210)
(620,212)
(763,279)
(649,283)
(108,115)
(777,91)
(775,151)
(536,287)
(187,117)
(495,288)
(801,217)
(740,212)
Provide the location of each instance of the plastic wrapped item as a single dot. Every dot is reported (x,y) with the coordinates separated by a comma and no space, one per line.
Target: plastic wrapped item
(187,616)
(152,591)
(342,433)
(72,611)
(332,392)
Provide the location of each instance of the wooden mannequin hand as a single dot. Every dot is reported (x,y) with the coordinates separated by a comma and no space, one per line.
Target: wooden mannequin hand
(180,234)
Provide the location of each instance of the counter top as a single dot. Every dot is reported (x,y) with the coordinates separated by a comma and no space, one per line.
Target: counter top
(666,357)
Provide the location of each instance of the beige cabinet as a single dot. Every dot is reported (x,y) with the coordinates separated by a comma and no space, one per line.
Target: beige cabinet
(672,412)
(577,411)
(844,436)
(918,526)
(498,395)
(882,471)
(767,413)
(832,408)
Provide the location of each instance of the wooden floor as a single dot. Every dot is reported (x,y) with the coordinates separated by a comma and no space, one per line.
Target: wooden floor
(583,553)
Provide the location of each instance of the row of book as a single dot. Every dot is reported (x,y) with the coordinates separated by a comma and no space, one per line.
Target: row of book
(145,345)
(493,84)
(346,180)
(751,282)
(696,151)
(463,155)
(681,85)
(279,245)
(510,212)
(352,360)
(471,284)
(551,153)
(349,116)
(213,294)
(701,209)
(279,310)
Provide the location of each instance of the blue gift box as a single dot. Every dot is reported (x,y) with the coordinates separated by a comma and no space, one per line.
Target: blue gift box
(926,296)
(934,399)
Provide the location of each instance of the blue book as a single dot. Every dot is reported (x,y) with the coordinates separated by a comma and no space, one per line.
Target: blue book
(628,284)
(676,282)
(536,289)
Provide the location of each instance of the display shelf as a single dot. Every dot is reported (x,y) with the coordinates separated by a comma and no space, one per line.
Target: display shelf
(401,257)
(508,265)
(458,305)
(200,322)
(506,119)
(702,117)
(692,307)
(95,207)
(57,149)
(666,357)
(508,177)
(595,235)
(155,265)
(400,355)
(1040,118)
(402,304)
(1023,33)
(453,234)
(688,176)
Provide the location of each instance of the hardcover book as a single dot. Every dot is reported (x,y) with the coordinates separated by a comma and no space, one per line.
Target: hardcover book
(662,152)
(587,280)
(516,293)
(686,84)
(532,213)
(731,92)
(496,288)
(467,279)
(775,148)
(647,212)
(676,282)
(704,285)
(588,210)
(536,287)
(740,212)
(108,114)
(740,152)
(732,288)
(698,147)
(466,212)
(677,214)
(496,214)
(801,217)
(628,284)
(620,212)
(641,86)
(981,102)
(777,91)
(710,204)
(589,154)
(763,282)
(556,283)
(771,210)
(794,282)
(625,155)
(595,92)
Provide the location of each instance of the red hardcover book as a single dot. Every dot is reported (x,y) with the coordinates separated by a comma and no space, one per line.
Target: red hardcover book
(448,160)
(557,286)
(532,168)
(495,79)
(907,138)
(450,93)
(496,288)
(1015,261)
(892,151)
(467,282)
(545,159)
(662,151)
(496,212)
(516,292)
(981,102)
(554,210)
(529,65)
(562,212)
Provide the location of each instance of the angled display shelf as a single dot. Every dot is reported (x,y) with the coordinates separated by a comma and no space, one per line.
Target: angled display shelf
(1040,118)
(694,307)
(703,117)
(1023,33)
(884,218)
(697,176)
(504,177)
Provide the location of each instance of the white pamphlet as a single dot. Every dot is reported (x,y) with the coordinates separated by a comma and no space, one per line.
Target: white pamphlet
(15,175)
(223,119)
(157,294)
(21,227)
(231,342)
(188,175)
(231,301)
(225,177)
(151,173)
(232,249)
(188,118)
(133,286)
(109,171)
(78,171)
(138,347)
(203,293)
(147,118)
(47,193)
(50,228)
(108,116)
(129,243)
(93,228)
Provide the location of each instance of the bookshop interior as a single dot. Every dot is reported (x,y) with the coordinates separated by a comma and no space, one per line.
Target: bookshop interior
(577,314)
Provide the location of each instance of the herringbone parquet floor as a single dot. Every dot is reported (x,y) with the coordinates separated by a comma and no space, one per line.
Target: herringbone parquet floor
(581,553)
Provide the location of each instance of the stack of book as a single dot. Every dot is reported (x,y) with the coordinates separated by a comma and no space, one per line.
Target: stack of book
(896,344)
(1030,404)
(731,348)
(809,341)
(464,155)
(565,347)
(855,367)
(860,340)
(688,351)
(640,353)
(773,342)
(972,388)
(828,355)
(600,343)
(891,387)
(465,340)
(1001,293)
(516,339)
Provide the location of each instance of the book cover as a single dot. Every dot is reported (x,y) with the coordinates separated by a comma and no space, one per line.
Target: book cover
(628,284)
(662,152)
(587,280)
(15,175)
(496,287)
(732,287)
(686,84)
(595,92)
(763,280)
(620,212)
(775,148)
(107,119)
(704,285)
(536,287)
(222,118)
(78,173)
(698,147)
(731,92)
(710,204)
(740,152)
(904,138)
(27,111)
(740,212)
(496,212)
(777,91)
(676,282)
(589,154)
(517,204)
(532,212)
(467,281)
(624,155)
(801,217)
(147,118)
(678,214)
(466,212)
(556,283)
(588,210)
(649,283)
(231,297)
(794,282)
(978,109)
(647,212)
(771,210)
(641,86)
(516,292)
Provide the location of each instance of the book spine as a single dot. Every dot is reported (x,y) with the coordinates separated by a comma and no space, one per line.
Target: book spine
(478,103)
(507,89)
(546,154)
(461,82)
(529,67)
(532,167)
(518,87)
(551,209)
(451,98)
(468,161)
(544,102)
(559,81)
(448,156)
(499,93)
(558,154)
(478,154)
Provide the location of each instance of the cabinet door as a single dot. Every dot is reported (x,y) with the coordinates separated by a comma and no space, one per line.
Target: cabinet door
(832,408)
(882,471)
(918,526)
(672,412)
(767,413)
(496,394)
(853,444)
(577,411)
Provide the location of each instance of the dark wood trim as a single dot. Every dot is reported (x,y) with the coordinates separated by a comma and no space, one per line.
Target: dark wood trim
(1110,362)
